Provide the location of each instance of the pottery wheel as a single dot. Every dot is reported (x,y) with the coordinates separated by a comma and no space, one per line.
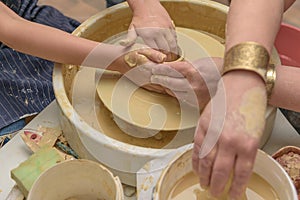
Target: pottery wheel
(149,110)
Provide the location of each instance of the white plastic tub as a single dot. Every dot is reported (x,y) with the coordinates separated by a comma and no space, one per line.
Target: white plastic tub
(121,158)
(77,179)
(265,166)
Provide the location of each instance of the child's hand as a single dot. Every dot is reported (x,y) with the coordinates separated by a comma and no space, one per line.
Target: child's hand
(137,66)
(153,24)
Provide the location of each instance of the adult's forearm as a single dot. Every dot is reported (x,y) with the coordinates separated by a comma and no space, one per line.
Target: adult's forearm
(287,4)
(286,92)
(253,20)
(137,5)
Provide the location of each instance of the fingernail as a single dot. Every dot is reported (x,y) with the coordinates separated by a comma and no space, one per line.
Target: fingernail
(162,57)
(152,78)
(210,196)
(231,198)
(203,187)
(123,42)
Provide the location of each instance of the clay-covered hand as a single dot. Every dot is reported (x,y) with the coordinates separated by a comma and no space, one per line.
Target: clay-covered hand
(137,66)
(228,133)
(193,83)
(153,24)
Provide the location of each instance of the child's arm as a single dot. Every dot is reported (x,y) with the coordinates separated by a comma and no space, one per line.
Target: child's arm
(58,46)
(40,40)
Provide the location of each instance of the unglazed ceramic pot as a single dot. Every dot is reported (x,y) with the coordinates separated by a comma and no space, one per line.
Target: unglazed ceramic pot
(143,113)
(77,179)
(289,158)
(126,157)
(275,176)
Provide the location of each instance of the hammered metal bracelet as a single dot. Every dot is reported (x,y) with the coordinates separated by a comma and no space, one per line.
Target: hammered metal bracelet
(253,57)
(270,79)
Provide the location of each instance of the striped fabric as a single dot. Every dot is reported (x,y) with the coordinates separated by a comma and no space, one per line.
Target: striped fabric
(110,3)
(26,81)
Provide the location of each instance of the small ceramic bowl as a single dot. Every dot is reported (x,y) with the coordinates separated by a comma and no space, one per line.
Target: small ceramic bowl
(268,169)
(76,179)
(176,58)
(289,158)
(285,43)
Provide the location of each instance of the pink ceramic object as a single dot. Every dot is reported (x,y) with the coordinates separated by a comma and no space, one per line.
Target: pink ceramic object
(288,45)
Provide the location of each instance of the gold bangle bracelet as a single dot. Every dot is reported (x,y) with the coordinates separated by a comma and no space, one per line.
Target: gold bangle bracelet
(253,57)
(270,79)
(247,56)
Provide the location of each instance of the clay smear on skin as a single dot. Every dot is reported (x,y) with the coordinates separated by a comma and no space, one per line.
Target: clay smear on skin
(253,110)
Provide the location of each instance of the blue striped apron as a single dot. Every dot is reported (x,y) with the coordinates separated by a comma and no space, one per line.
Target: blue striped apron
(110,3)
(26,81)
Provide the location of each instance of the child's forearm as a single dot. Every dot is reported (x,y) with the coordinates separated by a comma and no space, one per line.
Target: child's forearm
(138,6)
(286,92)
(53,44)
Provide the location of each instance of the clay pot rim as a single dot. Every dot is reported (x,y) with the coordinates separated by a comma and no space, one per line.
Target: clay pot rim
(75,119)
(285,150)
(157,189)
(79,162)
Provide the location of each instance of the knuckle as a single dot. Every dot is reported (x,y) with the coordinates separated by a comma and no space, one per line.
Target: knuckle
(146,35)
(165,81)
(204,121)
(195,158)
(249,148)
(220,173)
(197,141)
(227,140)
(156,31)
(172,43)
(241,176)
(194,87)
(190,72)
(206,163)
(204,180)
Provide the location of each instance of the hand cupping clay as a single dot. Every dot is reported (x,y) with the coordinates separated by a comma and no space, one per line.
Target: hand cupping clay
(149,110)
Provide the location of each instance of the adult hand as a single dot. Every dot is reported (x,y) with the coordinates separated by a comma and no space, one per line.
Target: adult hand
(228,133)
(151,22)
(193,83)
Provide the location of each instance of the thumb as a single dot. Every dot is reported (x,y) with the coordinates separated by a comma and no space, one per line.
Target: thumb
(131,37)
(153,55)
